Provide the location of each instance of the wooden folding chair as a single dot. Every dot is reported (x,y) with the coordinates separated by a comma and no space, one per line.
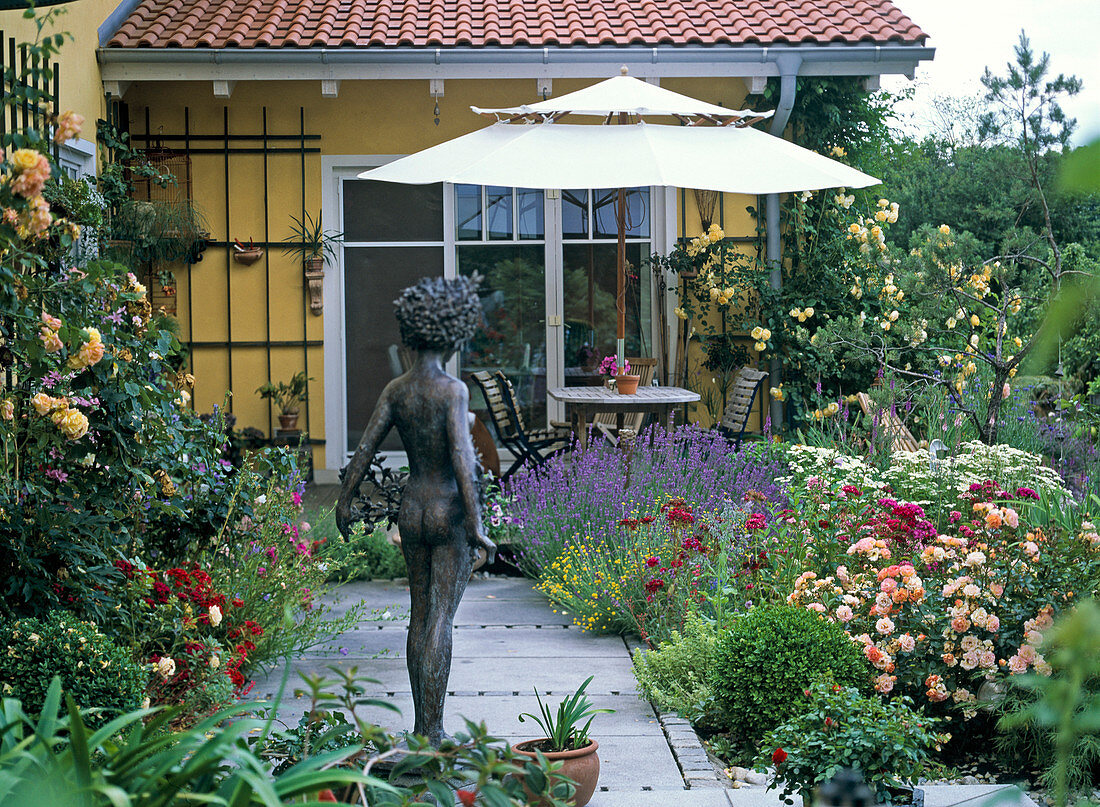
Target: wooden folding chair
(742,395)
(535,445)
(901,439)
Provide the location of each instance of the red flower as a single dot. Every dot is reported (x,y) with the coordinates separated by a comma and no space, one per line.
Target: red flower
(238,602)
(654,585)
(755,522)
(828,723)
(779,756)
(652,561)
(467,797)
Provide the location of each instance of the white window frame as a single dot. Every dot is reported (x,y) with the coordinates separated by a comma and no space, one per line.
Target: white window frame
(335,169)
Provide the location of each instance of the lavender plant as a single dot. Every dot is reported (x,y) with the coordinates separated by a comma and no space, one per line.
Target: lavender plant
(585,496)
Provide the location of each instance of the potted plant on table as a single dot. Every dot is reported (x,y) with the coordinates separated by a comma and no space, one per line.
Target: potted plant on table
(287,396)
(625,382)
(314,244)
(566,741)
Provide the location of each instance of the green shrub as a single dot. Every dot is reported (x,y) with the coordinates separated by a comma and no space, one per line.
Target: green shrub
(92,667)
(837,727)
(365,556)
(770,657)
(678,674)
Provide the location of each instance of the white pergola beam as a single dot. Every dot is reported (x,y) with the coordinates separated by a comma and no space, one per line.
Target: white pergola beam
(330,88)
(116,89)
(757,84)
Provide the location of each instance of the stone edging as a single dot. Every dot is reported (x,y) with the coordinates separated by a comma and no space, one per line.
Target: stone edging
(695,766)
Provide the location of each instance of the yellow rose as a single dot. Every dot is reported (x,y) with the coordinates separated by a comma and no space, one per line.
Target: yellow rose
(766,334)
(7,409)
(72,423)
(44,404)
(974,321)
(681,313)
(757,333)
(24,159)
(951,322)
(810,311)
(945,230)
(722,299)
(761,346)
(1017,341)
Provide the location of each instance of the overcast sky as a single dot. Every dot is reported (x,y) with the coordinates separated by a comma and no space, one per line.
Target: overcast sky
(968,35)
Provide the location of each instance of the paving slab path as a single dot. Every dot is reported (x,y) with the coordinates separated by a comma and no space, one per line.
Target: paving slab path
(508,641)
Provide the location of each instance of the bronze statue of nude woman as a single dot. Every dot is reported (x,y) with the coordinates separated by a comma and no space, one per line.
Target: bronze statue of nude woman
(440,516)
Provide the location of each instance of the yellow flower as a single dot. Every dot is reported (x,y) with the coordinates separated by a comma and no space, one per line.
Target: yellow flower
(945,230)
(777,393)
(24,159)
(44,404)
(974,321)
(72,422)
(810,311)
(723,299)
(951,322)
(715,233)
(681,313)
(1017,341)
(853,228)
(838,151)
(761,346)
(7,409)
(894,316)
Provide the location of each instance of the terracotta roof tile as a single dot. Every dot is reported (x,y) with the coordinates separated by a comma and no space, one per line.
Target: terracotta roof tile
(477,23)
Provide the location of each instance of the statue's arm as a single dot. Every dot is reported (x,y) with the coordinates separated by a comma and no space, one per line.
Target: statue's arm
(462,459)
(381,421)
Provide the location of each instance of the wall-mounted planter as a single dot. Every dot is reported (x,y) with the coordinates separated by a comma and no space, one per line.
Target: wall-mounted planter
(248,257)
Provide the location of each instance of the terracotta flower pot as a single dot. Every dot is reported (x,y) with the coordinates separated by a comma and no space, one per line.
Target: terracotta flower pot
(581,765)
(627,384)
(248,256)
(288,422)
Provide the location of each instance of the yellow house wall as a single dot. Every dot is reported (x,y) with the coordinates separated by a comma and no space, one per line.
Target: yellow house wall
(80,88)
(368,118)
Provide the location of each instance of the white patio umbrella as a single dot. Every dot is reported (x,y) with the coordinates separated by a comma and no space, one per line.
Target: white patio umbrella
(528,148)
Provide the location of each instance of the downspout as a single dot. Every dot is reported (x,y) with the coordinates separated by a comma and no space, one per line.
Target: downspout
(788,65)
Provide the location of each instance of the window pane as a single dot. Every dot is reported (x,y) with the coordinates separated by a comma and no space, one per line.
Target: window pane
(574,214)
(637,213)
(498,213)
(513,339)
(591,318)
(468,212)
(373,277)
(389,211)
(530,205)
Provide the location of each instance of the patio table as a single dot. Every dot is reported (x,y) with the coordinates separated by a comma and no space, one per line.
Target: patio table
(582,402)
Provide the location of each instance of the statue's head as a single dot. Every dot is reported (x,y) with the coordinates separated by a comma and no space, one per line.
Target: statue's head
(439,314)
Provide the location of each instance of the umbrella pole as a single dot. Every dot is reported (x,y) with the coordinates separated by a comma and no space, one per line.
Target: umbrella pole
(620,272)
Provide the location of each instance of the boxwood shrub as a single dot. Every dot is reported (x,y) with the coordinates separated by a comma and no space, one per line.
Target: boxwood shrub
(770,657)
(94,668)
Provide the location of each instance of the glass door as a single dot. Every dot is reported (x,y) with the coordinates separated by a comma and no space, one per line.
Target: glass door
(500,235)
(590,283)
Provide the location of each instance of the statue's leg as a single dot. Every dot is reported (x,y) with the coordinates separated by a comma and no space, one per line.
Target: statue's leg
(418,558)
(451,566)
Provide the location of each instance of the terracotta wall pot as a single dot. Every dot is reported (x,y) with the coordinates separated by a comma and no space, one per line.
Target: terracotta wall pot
(581,765)
(627,384)
(288,422)
(248,256)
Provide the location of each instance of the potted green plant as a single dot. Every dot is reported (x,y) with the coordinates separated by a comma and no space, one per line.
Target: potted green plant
(309,240)
(838,727)
(566,741)
(287,396)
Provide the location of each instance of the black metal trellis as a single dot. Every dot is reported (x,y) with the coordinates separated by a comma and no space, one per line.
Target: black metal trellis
(229,145)
(22,70)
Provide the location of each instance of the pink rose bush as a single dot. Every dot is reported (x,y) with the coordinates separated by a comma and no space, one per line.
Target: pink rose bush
(940,614)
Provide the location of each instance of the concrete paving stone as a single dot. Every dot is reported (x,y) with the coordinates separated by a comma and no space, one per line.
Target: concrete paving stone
(754,797)
(975,796)
(521,642)
(660,798)
(632,716)
(481,675)
(386,593)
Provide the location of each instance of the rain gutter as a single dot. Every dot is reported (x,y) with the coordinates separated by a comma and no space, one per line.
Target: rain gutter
(789,65)
(145,64)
